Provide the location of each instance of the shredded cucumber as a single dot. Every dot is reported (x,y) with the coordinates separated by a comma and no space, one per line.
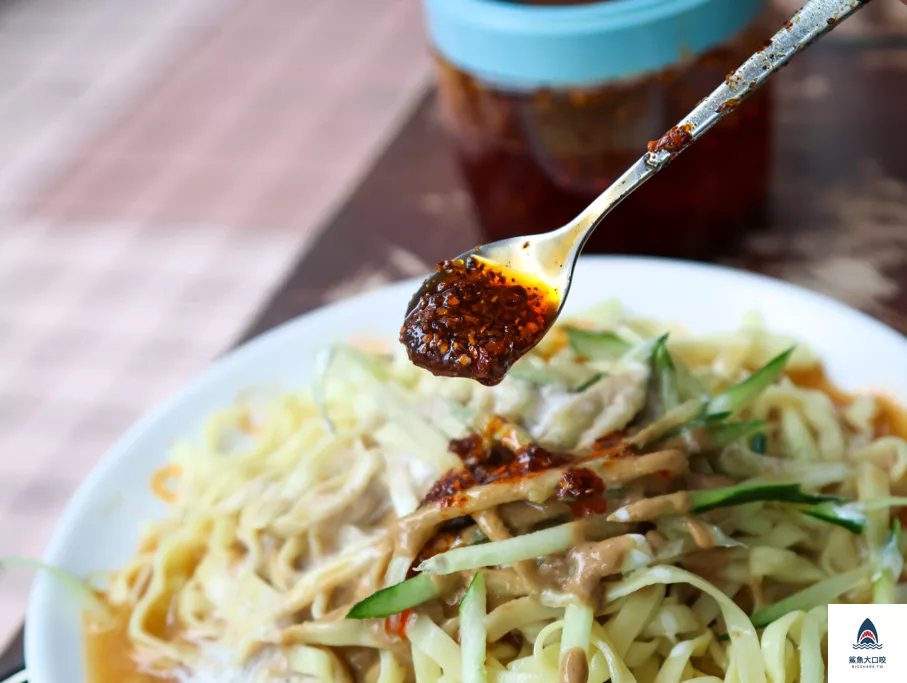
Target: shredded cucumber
(577,629)
(534,370)
(698,421)
(589,383)
(669,426)
(427,441)
(879,503)
(472,631)
(846,516)
(665,374)
(888,567)
(86,597)
(323,362)
(702,501)
(642,351)
(851,516)
(526,547)
(740,395)
(596,345)
(759,443)
(822,593)
(394,599)
(722,434)
(688,385)
(796,436)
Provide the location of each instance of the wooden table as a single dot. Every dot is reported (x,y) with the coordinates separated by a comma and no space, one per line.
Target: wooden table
(837,218)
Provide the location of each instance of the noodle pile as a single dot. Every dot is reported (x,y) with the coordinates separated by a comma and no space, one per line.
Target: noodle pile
(625,506)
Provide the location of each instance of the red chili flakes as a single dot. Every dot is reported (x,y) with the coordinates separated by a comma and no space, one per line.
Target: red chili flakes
(395,625)
(476,321)
(487,461)
(610,454)
(582,489)
(579,482)
(728,106)
(468,445)
(448,486)
(534,459)
(440,543)
(674,141)
(610,441)
(454,501)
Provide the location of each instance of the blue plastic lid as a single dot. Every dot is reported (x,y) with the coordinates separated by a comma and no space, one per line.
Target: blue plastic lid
(531,46)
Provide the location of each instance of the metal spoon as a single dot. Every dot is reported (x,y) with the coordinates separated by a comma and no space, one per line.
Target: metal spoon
(551,257)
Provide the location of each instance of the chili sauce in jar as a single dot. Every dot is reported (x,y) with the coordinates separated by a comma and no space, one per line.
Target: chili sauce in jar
(547,103)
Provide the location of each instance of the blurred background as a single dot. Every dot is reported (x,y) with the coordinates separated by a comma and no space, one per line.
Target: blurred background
(175,174)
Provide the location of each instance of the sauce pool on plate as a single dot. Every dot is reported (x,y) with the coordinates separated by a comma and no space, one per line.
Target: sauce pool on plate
(891,418)
(110,655)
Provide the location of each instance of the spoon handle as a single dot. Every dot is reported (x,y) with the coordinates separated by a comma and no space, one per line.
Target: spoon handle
(812,21)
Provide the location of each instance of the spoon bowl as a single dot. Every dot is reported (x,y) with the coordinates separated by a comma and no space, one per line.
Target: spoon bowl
(549,257)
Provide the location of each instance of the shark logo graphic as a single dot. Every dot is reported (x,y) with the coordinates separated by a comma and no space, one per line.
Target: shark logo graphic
(867,637)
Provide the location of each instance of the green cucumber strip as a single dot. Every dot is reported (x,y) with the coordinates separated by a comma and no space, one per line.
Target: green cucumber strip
(371,379)
(843,516)
(666,376)
(526,547)
(724,433)
(473,632)
(688,385)
(394,599)
(534,370)
(851,516)
(740,395)
(589,382)
(879,503)
(823,593)
(888,565)
(703,501)
(76,587)
(759,443)
(577,630)
(699,421)
(596,345)
(642,352)
(323,362)
(712,418)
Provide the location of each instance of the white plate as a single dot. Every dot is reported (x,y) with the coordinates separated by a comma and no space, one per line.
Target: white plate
(99,529)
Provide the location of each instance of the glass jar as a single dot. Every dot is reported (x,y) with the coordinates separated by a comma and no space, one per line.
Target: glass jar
(547,105)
